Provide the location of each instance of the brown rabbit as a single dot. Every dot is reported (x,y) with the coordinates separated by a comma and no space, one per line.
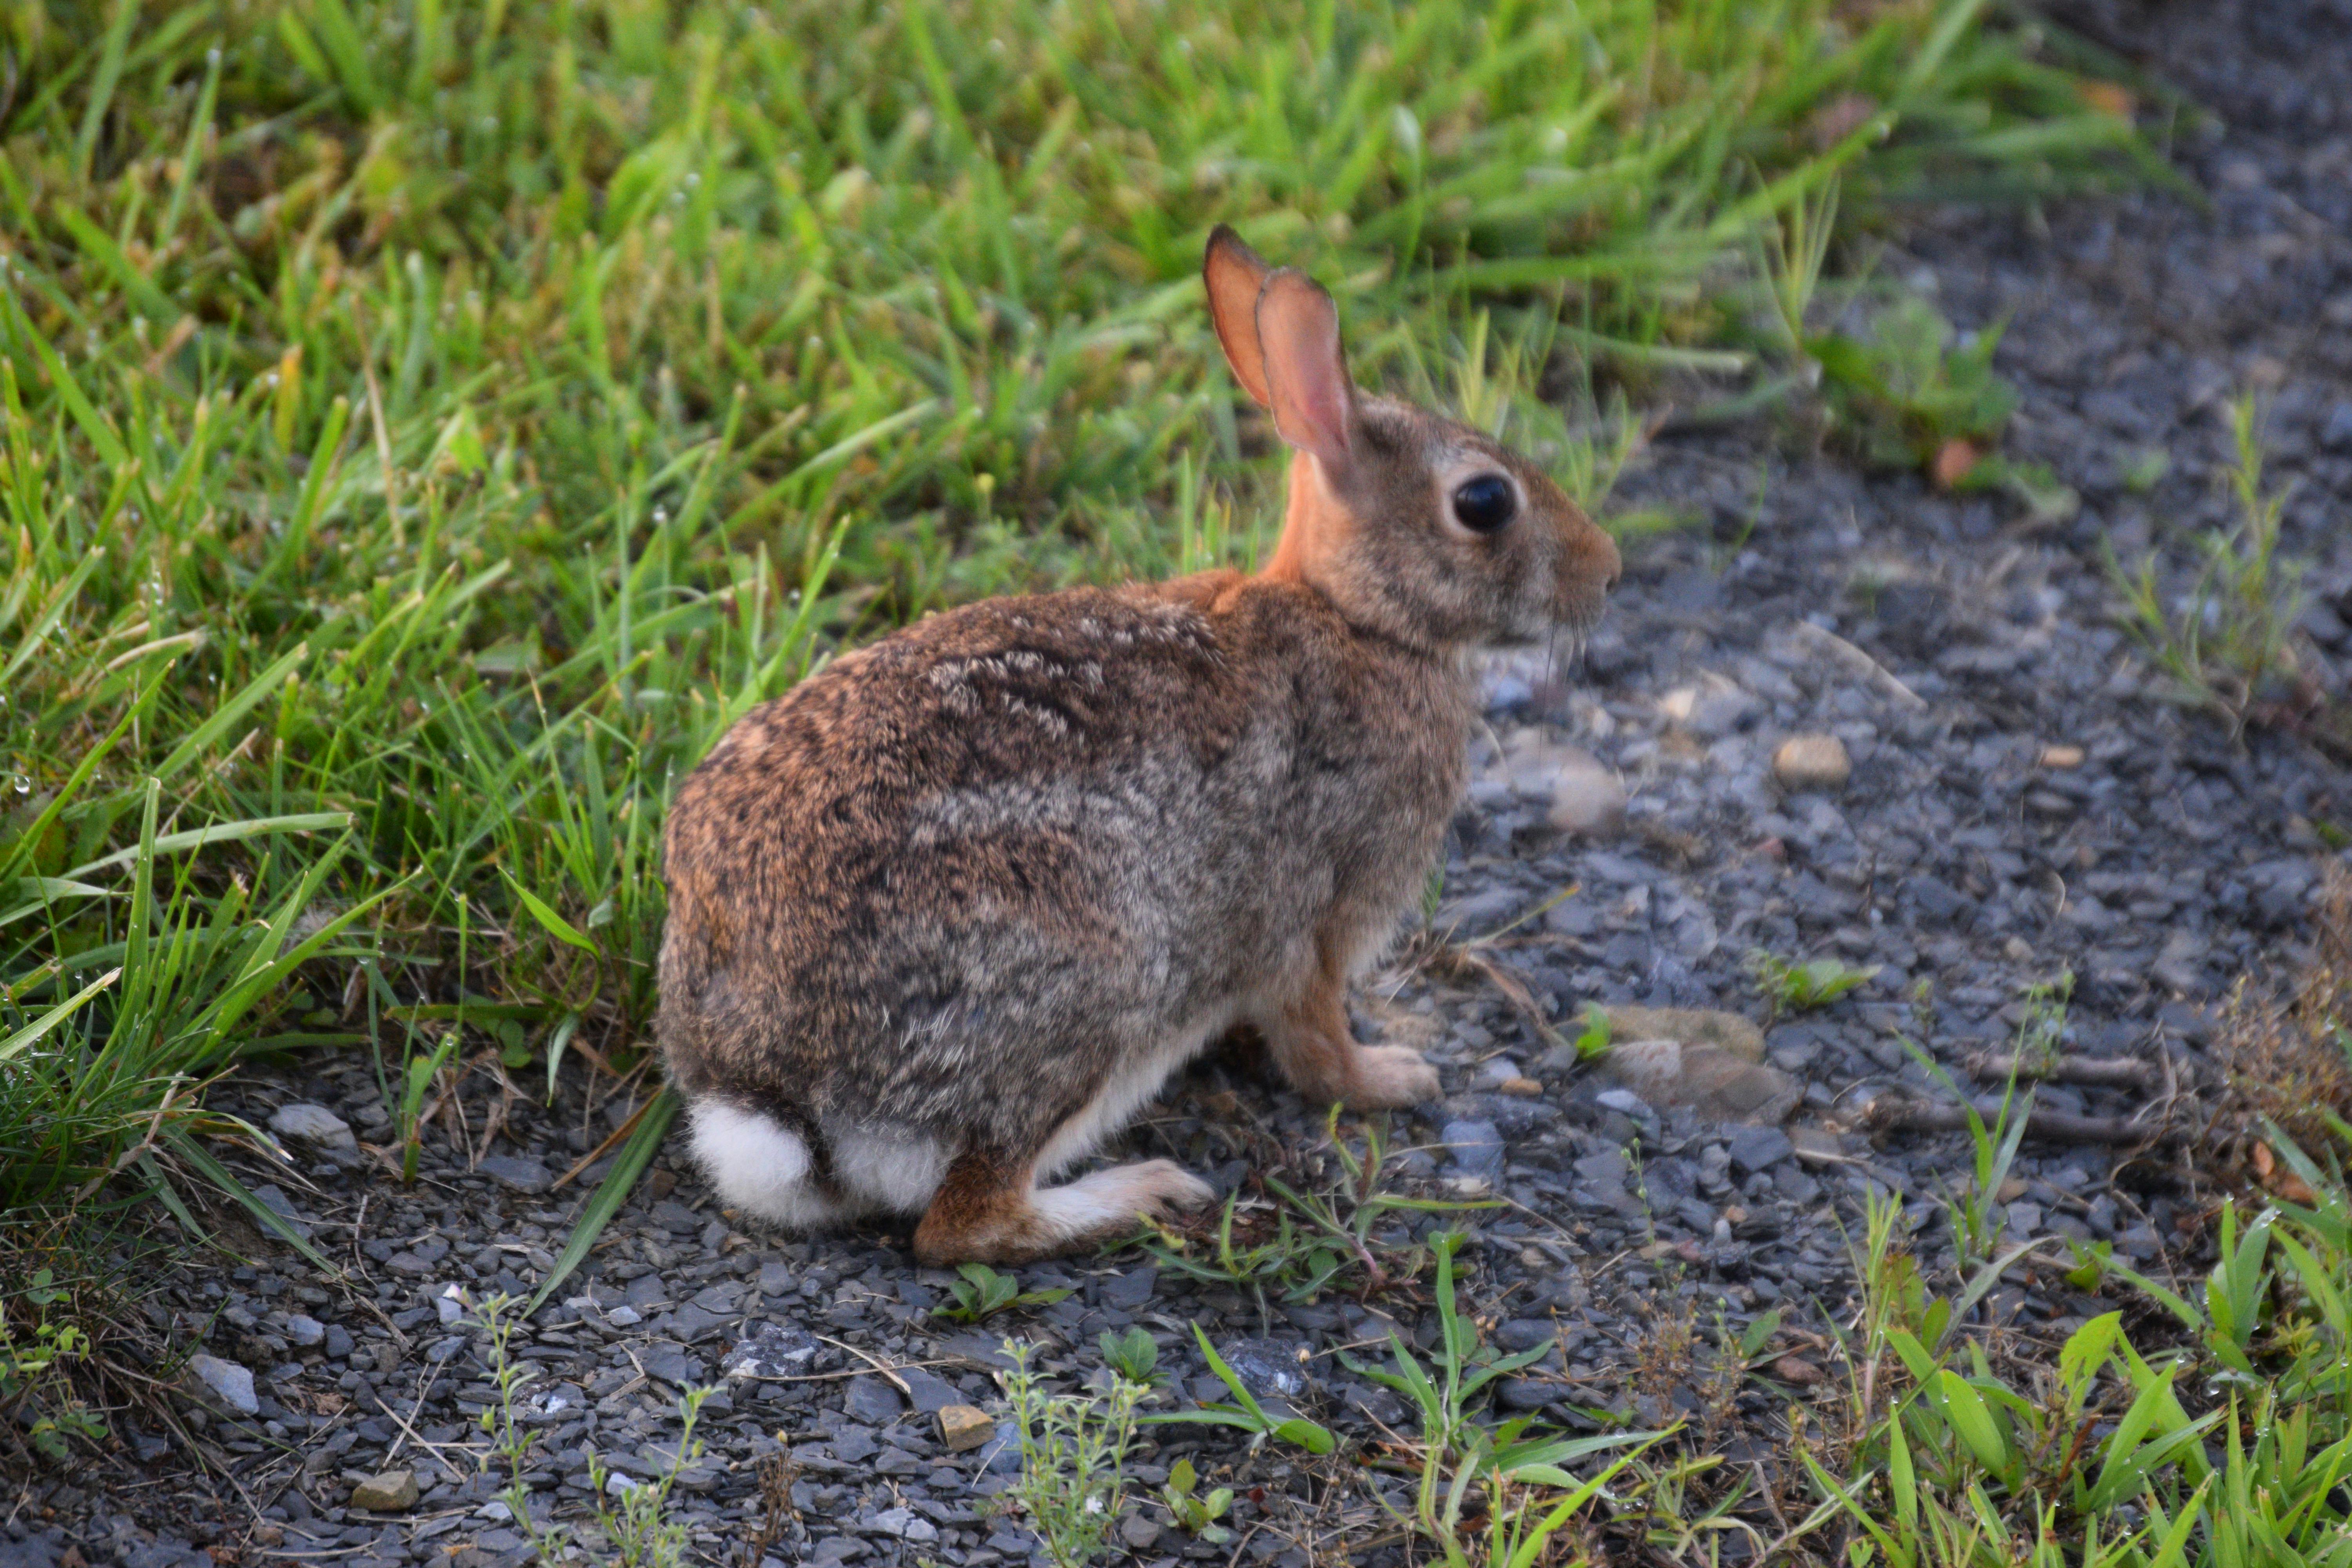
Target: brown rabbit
(946,914)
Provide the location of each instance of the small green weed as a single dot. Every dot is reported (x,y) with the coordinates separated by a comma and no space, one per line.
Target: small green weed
(982,1293)
(1336,1227)
(1072,1458)
(634,1528)
(1908,387)
(1196,1511)
(2041,1031)
(1800,987)
(1464,1467)
(1244,1412)
(34,1392)
(2143,468)
(2230,635)
(1979,1216)
(1914,393)
(1592,1041)
(1133,1355)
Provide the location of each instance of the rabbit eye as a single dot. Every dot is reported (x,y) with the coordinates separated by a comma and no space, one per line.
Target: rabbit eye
(1485,503)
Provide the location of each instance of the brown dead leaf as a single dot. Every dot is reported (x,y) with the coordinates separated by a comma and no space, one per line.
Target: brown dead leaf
(1796,1371)
(2278,1180)
(1839,117)
(2108,97)
(1954,459)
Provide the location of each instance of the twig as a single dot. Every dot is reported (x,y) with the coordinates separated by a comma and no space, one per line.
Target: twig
(1514,990)
(598,1153)
(1900,1113)
(860,1372)
(2122,1072)
(1855,662)
(424,1384)
(883,1367)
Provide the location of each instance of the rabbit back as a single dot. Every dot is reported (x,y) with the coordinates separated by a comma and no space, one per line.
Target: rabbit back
(994,875)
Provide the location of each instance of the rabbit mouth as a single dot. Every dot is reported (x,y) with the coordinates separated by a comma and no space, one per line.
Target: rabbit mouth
(1564,632)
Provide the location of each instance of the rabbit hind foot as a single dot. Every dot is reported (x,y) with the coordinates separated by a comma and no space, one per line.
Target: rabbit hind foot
(989,1210)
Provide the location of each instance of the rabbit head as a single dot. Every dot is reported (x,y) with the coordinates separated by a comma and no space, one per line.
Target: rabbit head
(1415,526)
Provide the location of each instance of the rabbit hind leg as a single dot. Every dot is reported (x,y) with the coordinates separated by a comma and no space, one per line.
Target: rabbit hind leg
(989,1209)
(1316,1051)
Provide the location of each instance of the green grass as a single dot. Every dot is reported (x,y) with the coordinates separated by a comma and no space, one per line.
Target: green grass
(2226,637)
(424,429)
(2229,1447)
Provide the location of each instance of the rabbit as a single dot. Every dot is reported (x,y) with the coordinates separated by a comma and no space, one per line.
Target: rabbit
(946,914)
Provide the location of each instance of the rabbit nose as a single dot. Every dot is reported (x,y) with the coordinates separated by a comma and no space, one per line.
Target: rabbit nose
(1609,562)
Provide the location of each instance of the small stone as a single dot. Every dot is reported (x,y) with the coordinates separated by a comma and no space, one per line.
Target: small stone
(516,1174)
(1719,1086)
(1267,1368)
(927,1392)
(304,1330)
(2337,433)
(387,1493)
(232,1383)
(1586,799)
(2061,759)
(1693,1026)
(1685,1024)
(1476,1147)
(1757,1149)
(1817,1145)
(2048,803)
(872,1401)
(906,1524)
(1710,710)
(1139,1533)
(1796,1371)
(273,1198)
(313,1124)
(1524,1088)
(1494,1072)
(1812,761)
(964,1427)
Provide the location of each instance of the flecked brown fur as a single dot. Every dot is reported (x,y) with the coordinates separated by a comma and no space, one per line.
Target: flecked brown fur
(968,879)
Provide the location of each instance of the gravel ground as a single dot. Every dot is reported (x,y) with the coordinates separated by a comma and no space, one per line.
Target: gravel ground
(2015,804)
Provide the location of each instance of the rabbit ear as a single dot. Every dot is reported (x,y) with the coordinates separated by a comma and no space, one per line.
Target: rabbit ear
(1234,273)
(1313,401)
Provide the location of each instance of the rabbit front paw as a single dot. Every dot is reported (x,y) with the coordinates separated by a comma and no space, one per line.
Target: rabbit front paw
(1390,1077)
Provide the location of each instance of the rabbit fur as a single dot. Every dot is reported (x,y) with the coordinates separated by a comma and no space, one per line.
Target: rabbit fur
(946,915)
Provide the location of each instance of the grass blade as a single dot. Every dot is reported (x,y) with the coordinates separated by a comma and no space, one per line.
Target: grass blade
(185,1146)
(24,1039)
(611,1193)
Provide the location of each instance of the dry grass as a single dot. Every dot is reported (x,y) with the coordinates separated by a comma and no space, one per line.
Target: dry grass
(2287,1052)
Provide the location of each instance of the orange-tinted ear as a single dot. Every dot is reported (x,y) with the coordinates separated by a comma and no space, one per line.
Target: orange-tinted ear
(1234,273)
(1314,403)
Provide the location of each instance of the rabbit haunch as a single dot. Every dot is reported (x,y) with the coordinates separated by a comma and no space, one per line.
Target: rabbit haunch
(945,917)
